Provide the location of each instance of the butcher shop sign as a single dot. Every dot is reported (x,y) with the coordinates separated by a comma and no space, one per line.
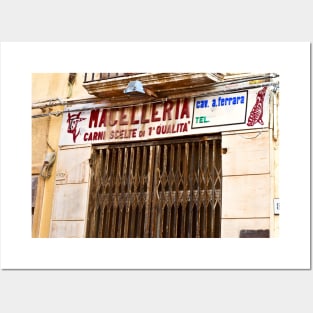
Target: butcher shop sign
(93,123)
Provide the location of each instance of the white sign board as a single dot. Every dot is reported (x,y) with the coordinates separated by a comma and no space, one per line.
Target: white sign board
(222,110)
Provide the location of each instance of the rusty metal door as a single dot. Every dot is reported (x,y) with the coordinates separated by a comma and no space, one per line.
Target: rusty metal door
(164,189)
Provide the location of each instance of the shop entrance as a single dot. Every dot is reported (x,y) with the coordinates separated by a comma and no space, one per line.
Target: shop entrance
(164,189)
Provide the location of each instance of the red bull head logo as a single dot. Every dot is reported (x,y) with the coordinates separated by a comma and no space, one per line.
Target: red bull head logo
(73,120)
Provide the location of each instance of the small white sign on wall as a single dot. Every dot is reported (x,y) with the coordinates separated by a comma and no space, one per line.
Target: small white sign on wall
(276,206)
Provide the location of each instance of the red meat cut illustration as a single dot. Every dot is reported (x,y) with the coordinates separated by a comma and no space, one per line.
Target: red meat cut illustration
(256,113)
